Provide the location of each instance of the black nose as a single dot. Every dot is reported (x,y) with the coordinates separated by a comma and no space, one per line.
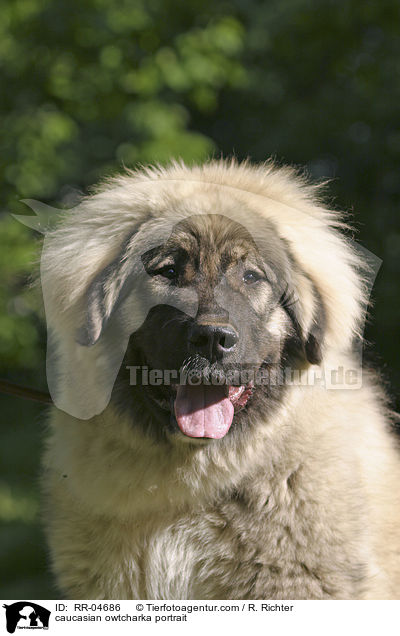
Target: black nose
(212,341)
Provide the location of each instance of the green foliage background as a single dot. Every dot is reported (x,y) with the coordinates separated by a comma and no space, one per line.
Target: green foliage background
(86,88)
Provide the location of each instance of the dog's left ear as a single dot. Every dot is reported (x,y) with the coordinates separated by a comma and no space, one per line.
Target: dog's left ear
(314,339)
(308,316)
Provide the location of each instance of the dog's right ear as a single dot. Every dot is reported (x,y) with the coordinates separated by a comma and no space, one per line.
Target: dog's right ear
(110,288)
(83,358)
(107,291)
(102,298)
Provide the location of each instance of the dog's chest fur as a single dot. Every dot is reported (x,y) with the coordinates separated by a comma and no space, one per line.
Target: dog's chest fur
(277,546)
(232,552)
(293,528)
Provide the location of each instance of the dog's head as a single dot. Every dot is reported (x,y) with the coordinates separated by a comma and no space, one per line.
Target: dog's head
(222,314)
(203,298)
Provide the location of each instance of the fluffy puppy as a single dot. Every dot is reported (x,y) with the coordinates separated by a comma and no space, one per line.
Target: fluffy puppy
(214,436)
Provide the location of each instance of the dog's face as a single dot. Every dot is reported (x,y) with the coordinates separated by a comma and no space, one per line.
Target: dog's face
(201,366)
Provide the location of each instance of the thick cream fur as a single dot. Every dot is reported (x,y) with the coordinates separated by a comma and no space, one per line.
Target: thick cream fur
(316,511)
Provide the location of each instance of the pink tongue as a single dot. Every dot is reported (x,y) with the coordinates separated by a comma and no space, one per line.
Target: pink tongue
(203,411)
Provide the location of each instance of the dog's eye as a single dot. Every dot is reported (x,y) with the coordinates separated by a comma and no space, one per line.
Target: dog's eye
(251,277)
(169,271)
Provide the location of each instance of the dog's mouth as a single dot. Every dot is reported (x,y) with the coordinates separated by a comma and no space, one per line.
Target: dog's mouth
(204,410)
(203,402)
(207,410)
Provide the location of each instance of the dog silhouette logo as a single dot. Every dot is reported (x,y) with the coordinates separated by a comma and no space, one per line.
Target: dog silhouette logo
(26,615)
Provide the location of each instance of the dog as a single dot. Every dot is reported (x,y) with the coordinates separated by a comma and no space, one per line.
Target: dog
(214,435)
